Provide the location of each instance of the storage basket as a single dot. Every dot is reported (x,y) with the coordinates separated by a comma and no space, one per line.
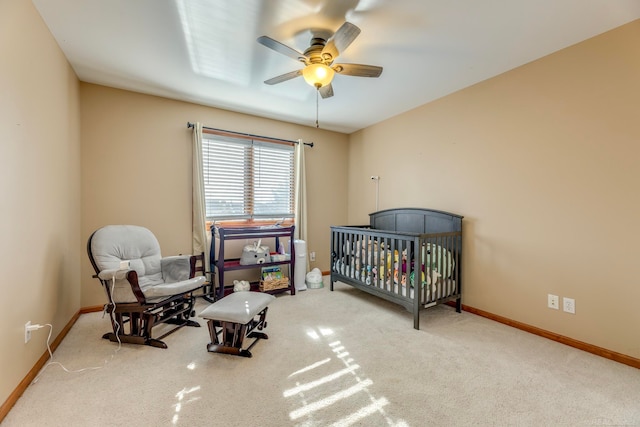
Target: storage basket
(270,285)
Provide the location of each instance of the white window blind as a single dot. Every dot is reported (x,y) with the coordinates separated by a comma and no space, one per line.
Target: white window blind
(247,179)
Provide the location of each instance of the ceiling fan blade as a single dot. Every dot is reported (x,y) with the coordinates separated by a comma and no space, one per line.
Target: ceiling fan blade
(345,35)
(281,48)
(284,77)
(326,91)
(359,70)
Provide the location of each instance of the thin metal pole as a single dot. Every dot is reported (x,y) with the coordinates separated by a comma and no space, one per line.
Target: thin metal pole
(250,135)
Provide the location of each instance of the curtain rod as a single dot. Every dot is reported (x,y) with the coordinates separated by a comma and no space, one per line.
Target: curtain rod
(310,144)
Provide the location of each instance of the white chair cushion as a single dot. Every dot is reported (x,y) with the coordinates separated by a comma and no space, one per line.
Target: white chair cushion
(158,277)
(114,243)
(169,289)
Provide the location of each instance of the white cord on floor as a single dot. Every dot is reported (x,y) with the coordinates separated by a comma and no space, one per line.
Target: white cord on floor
(112,315)
(92,368)
(58,363)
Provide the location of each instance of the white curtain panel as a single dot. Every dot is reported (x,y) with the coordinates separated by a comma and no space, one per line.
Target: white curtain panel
(199,228)
(300,232)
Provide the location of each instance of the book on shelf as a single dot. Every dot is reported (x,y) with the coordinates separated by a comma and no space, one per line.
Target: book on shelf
(271,273)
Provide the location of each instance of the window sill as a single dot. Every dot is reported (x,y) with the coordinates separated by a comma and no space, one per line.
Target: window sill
(248,223)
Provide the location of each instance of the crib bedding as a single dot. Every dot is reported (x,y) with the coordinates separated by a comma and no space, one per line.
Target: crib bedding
(408,256)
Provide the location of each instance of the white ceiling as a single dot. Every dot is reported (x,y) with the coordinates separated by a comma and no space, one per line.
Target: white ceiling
(205,51)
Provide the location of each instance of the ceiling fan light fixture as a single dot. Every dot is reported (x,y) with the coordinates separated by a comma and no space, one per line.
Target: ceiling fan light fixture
(318,75)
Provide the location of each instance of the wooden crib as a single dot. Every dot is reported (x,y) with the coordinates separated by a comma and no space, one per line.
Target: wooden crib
(409,256)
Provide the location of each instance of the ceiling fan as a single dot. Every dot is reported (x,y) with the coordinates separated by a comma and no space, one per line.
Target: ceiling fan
(319,58)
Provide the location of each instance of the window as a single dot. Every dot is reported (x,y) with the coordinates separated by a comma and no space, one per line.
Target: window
(247,179)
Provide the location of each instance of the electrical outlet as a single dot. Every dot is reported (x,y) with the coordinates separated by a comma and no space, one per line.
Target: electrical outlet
(552,301)
(27,332)
(569,305)
(312,256)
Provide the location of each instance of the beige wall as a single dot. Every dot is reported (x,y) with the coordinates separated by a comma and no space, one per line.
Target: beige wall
(136,169)
(40,244)
(543,163)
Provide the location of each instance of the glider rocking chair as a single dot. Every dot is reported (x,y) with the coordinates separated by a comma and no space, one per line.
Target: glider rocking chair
(143,288)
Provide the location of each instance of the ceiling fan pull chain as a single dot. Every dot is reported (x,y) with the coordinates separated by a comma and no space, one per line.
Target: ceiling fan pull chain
(317,106)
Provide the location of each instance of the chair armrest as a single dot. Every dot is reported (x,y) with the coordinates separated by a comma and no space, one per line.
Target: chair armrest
(110,274)
(175,268)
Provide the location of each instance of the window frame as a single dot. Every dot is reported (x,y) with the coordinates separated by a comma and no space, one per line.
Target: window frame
(253,221)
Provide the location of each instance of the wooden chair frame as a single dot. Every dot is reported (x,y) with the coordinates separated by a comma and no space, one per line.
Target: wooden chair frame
(198,268)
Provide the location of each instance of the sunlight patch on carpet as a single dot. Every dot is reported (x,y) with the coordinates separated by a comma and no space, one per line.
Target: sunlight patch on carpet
(318,392)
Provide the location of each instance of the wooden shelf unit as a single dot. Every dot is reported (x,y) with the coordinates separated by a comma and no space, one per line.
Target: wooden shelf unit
(222,265)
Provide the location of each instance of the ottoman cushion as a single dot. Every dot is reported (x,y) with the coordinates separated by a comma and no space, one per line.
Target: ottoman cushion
(238,307)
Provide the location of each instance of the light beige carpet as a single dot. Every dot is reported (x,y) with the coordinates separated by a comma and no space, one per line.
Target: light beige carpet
(334,358)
